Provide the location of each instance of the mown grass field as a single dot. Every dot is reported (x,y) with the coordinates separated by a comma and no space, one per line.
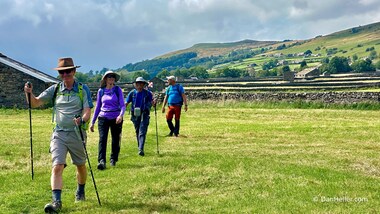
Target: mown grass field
(230,158)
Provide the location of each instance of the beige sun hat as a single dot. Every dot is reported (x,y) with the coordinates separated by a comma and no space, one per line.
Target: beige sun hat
(117,76)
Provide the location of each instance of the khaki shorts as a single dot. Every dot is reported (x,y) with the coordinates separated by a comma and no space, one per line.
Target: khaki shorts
(63,142)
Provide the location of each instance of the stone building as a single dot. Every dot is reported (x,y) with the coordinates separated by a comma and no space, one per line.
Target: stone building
(308,73)
(158,84)
(13,76)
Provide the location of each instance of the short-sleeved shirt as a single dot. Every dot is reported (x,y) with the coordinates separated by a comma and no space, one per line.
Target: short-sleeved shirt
(141,100)
(67,104)
(174,95)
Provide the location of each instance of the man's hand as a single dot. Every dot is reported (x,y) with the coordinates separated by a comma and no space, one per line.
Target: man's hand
(77,121)
(28,87)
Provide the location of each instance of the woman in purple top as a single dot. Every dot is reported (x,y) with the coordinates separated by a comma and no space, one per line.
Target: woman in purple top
(109,111)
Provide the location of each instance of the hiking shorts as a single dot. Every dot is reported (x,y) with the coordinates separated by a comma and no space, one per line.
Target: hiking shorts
(63,142)
(173,110)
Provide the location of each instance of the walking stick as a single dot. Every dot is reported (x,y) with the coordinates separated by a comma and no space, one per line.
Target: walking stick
(30,131)
(88,161)
(155,113)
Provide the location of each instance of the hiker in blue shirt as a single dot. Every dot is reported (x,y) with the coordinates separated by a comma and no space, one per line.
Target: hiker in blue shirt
(175,97)
(142,101)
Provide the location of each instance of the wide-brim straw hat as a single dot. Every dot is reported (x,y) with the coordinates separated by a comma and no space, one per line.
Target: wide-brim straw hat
(65,63)
(117,76)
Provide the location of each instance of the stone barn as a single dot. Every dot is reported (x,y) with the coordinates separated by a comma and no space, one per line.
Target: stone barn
(308,73)
(158,84)
(13,76)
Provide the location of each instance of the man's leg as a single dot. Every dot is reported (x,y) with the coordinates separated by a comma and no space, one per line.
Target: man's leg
(56,187)
(169,118)
(142,134)
(177,112)
(81,178)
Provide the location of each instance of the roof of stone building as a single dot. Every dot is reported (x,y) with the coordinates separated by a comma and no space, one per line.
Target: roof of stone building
(27,70)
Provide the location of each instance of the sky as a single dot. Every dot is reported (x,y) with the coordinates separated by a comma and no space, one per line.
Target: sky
(112,33)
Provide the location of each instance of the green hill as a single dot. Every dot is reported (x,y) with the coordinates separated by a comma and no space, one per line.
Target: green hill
(216,49)
(357,41)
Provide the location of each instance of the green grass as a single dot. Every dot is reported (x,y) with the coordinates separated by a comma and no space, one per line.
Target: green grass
(231,157)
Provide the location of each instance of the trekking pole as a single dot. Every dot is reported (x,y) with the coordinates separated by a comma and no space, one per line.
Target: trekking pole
(30,130)
(155,113)
(88,160)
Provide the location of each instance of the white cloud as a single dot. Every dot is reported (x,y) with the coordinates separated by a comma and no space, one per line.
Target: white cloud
(112,33)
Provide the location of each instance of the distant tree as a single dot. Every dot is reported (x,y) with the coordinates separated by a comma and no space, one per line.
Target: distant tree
(272,63)
(370,49)
(142,74)
(325,60)
(163,74)
(373,55)
(303,64)
(280,47)
(81,77)
(363,65)
(339,65)
(317,48)
(199,72)
(355,57)
(308,52)
(285,68)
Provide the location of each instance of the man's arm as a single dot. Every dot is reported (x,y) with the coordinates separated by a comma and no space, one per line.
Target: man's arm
(164,103)
(34,101)
(184,98)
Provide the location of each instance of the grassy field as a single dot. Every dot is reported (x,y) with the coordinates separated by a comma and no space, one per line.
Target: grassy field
(230,158)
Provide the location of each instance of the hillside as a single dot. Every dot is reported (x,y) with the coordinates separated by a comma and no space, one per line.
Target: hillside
(216,49)
(348,42)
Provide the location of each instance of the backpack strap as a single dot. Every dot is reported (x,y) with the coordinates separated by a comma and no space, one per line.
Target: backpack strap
(80,94)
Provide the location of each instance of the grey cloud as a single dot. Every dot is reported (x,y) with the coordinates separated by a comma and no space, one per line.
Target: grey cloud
(112,33)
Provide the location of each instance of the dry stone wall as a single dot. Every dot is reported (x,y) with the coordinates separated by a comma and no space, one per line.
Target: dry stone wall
(325,97)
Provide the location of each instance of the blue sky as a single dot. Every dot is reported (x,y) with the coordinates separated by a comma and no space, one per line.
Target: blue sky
(112,33)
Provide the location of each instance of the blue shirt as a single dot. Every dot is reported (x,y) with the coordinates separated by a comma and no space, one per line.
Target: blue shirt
(174,94)
(141,99)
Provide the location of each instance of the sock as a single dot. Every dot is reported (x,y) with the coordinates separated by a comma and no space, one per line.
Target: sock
(56,194)
(80,188)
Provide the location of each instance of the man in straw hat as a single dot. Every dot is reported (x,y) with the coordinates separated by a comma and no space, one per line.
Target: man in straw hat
(142,101)
(69,99)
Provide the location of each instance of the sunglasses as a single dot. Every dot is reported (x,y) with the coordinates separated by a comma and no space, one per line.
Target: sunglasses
(65,71)
(111,76)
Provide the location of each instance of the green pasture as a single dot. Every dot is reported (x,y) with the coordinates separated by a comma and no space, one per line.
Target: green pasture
(231,157)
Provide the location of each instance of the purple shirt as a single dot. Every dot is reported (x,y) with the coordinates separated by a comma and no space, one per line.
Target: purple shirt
(110,105)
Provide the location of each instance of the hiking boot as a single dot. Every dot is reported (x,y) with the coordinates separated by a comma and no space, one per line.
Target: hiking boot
(101,165)
(141,153)
(170,134)
(54,207)
(112,162)
(79,197)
